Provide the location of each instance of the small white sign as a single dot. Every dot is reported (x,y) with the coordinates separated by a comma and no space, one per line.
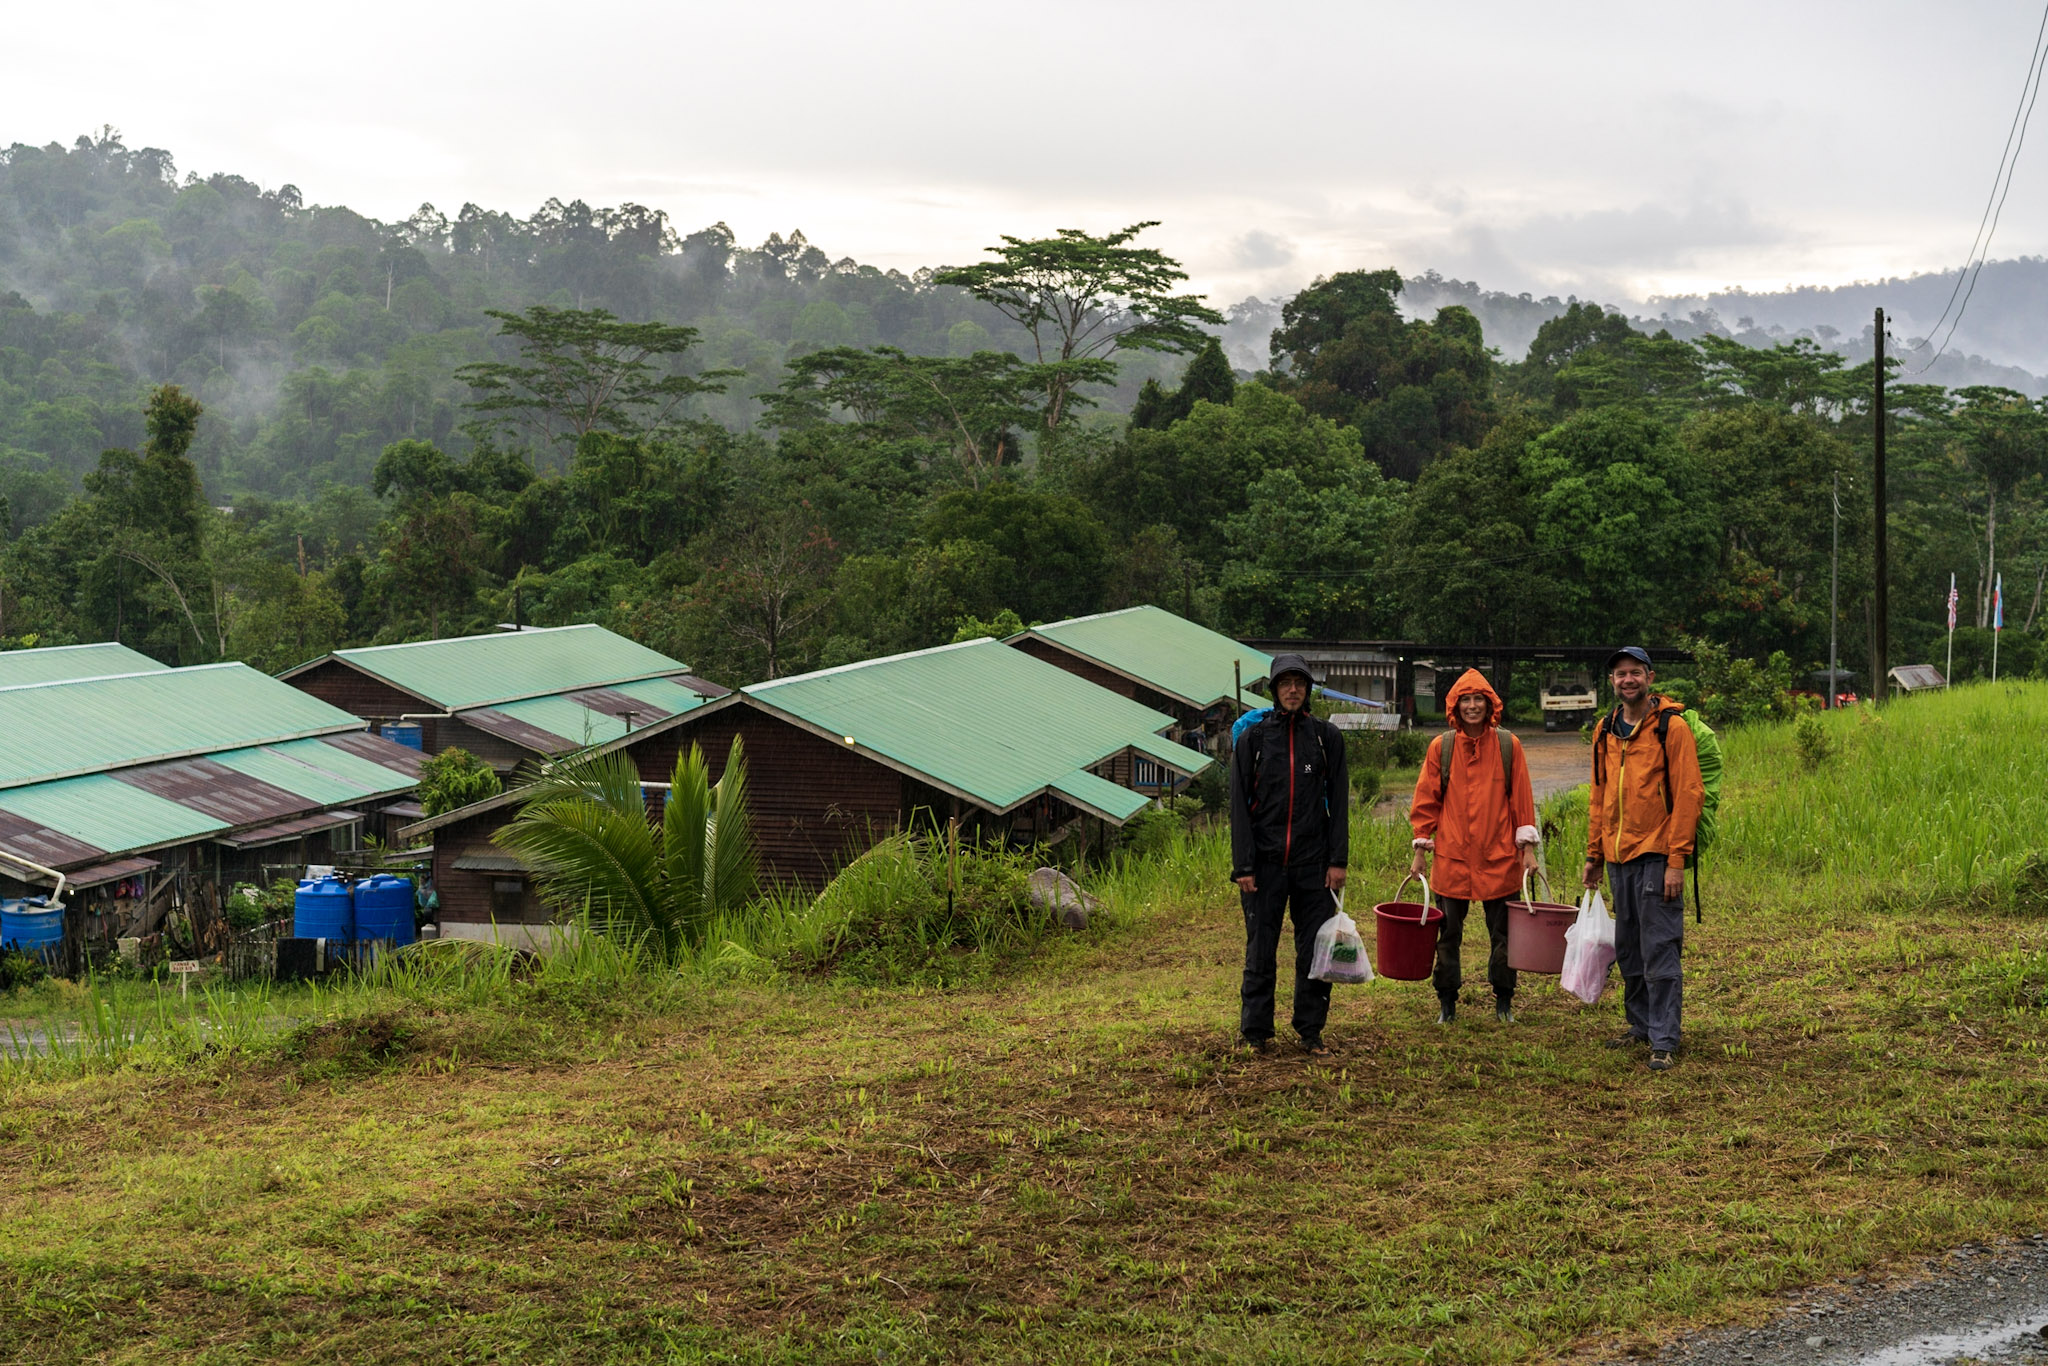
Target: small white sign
(184,967)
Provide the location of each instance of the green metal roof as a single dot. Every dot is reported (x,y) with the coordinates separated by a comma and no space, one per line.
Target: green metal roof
(561,714)
(62,663)
(322,774)
(1099,795)
(665,693)
(476,671)
(1179,758)
(1169,654)
(979,718)
(61,730)
(107,813)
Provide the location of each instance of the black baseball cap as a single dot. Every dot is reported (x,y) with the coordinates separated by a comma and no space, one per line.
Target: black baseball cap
(1635,652)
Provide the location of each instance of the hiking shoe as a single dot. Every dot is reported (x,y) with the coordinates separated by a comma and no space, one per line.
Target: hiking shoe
(1504,1012)
(1661,1062)
(1625,1039)
(1263,1047)
(1447,1013)
(1316,1048)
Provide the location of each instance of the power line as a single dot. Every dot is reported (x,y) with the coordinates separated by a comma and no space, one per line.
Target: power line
(1994,205)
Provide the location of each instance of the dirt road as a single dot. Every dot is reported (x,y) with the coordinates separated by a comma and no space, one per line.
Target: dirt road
(1557,762)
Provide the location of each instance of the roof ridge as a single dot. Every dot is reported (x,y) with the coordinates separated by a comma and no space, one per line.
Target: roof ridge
(459,640)
(81,645)
(1098,616)
(753,689)
(135,673)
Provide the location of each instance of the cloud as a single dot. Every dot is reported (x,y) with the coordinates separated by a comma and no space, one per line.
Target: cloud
(1261,250)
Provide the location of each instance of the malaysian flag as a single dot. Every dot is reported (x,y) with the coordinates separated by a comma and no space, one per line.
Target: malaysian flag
(1951,602)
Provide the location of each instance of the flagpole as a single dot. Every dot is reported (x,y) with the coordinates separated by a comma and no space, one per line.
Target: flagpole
(1949,673)
(1997,622)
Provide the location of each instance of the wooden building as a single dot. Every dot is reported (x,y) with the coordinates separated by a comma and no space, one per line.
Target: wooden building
(128,794)
(1012,746)
(1200,678)
(509,698)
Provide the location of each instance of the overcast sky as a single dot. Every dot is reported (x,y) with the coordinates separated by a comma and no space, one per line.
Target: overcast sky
(1620,150)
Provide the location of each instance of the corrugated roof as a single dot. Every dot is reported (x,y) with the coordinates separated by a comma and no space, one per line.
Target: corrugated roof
(1169,654)
(979,718)
(323,774)
(475,671)
(101,810)
(63,729)
(588,716)
(60,663)
(1099,795)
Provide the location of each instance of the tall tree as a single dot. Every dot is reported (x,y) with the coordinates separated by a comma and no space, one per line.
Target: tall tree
(583,370)
(1084,298)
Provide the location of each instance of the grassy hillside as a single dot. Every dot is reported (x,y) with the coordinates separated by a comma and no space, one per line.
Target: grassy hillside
(1073,1163)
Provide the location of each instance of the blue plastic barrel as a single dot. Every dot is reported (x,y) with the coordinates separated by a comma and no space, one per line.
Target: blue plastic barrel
(33,927)
(384,909)
(322,909)
(405,733)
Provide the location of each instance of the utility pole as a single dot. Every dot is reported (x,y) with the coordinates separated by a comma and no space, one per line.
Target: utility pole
(1834,584)
(1880,626)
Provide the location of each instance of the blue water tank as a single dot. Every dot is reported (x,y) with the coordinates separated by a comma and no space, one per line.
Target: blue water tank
(323,909)
(33,927)
(405,733)
(384,908)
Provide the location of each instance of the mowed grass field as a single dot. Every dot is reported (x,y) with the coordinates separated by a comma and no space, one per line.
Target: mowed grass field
(1075,1164)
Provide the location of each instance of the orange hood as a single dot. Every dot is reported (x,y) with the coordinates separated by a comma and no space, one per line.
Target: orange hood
(1471,682)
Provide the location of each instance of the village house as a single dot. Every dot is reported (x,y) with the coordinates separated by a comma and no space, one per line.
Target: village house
(139,790)
(509,698)
(1195,675)
(1012,746)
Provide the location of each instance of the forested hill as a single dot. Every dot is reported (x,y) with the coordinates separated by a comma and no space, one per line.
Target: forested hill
(235,425)
(319,336)
(2002,320)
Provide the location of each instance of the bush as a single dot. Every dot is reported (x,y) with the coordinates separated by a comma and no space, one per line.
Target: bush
(1816,746)
(1152,829)
(1406,747)
(18,970)
(249,905)
(453,779)
(1211,787)
(887,918)
(1736,692)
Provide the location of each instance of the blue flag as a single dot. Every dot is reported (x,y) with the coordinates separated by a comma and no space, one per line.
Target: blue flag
(1998,604)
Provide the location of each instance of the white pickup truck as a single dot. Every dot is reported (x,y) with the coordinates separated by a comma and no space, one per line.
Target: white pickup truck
(1569,701)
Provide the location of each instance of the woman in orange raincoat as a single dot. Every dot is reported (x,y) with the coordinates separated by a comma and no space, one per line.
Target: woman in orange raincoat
(1479,819)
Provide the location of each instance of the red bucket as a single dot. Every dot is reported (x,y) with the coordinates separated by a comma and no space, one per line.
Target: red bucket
(1536,932)
(1405,934)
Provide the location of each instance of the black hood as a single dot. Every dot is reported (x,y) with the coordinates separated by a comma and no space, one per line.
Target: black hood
(1289,664)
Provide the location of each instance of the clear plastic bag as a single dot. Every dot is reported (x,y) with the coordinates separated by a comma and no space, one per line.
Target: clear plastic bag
(1340,953)
(1588,950)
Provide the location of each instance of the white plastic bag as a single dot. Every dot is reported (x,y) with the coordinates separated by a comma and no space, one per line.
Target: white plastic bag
(1588,950)
(1340,953)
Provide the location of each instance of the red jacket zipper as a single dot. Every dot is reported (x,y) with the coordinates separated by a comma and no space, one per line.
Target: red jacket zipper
(1287,847)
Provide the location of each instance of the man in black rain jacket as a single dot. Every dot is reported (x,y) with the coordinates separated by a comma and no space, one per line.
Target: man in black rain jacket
(1290,839)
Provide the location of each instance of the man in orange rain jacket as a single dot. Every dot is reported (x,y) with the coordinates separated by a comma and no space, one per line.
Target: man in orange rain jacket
(1479,819)
(1642,815)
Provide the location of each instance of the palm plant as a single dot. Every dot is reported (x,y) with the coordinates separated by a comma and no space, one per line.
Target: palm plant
(585,833)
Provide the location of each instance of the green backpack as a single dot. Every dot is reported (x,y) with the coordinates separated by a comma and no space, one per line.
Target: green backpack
(1708,746)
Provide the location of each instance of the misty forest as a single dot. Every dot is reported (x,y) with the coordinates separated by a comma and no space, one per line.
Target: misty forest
(235,425)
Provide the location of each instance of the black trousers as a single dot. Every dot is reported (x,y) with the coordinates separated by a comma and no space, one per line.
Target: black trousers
(1301,890)
(1450,972)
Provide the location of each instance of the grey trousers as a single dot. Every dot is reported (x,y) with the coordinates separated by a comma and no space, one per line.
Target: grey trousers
(1649,939)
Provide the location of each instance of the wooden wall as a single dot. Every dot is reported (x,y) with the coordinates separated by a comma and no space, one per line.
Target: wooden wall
(469,896)
(815,804)
(356,693)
